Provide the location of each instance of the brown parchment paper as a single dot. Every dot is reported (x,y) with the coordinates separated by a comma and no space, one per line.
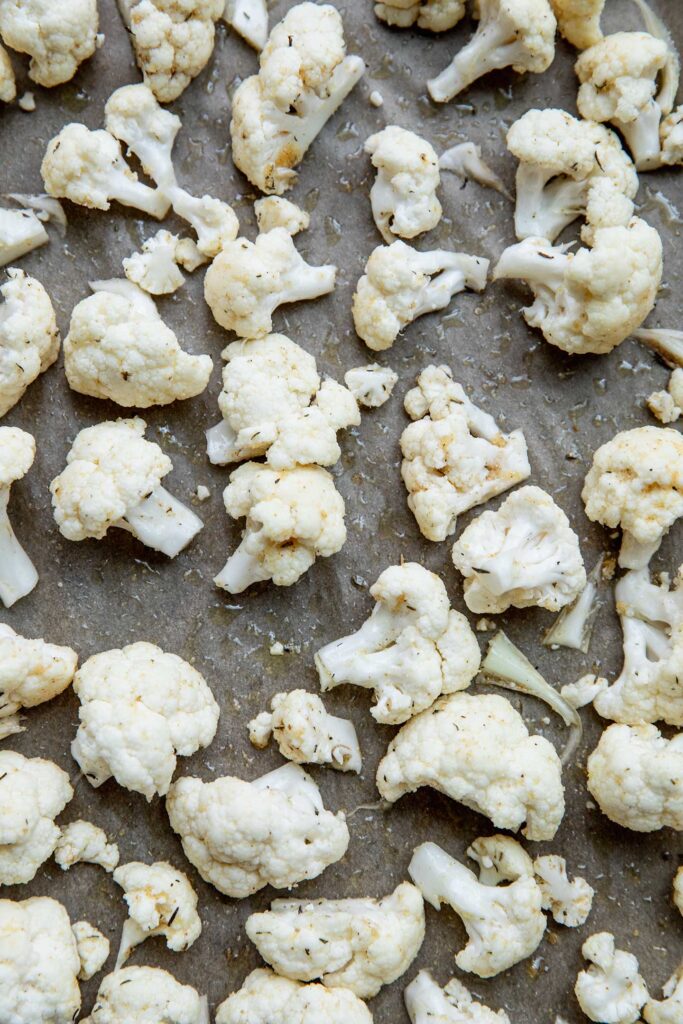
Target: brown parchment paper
(99,595)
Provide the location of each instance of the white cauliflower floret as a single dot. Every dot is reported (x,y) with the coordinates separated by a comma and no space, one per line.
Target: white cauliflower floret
(413,647)
(122,351)
(569,902)
(431,15)
(93,949)
(592,299)
(293,516)
(250,19)
(525,553)
(29,339)
(667,405)
(304,77)
(403,195)
(267,999)
(155,268)
(636,482)
(583,691)
(371,385)
(274,404)
(401,284)
(8,85)
(172,39)
(112,478)
(81,842)
(306,733)
(670,1009)
(88,168)
(21,231)
(560,159)
(610,991)
(31,672)
(428,1003)
(18,574)
(478,751)
(454,456)
(247,282)
(505,923)
(140,708)
(241,836)
(58,38)
(671,138)
(138,995)
(636,777)
(354,944)
(579,21)
(32,793)
(606,207)
(511,33)
(500,859)
(678,889)
(161,901)
(40,963)
(275,212)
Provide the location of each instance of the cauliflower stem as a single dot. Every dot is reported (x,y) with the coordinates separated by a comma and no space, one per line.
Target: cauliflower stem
(162,522)
(573,627)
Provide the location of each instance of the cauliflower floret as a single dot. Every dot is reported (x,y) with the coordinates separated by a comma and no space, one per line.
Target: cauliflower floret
(371,385)
(275,212)
(413,647)
(8,85)
(140,708)
(93,949)
(667,405)
(293,516)
(592,299)
(31,672)
(670,1009)
(118,350)
(306,733)
(606,207)
(32,793)
(241,836)
(267,999)
(248,281)
(112,478)
(511,33)
(610,991)
(569,902)
(29,339)
(560,159)
(635,775)
(81,842)
(401,284)
(161,901)
(155,268)
(525,553)
(18,574)
(135,995)
(274,404)
(454,456)
(428,1003)
(172,39)
(678,889)
(304,77)
(478,751)
(88,168)
(431,15)
(250,19)
(579,21)
(40,963)
(403,196)
(505,923)
(671,138)
(354,944)
(21,231)
(636,482)
(58,37)
(500,859)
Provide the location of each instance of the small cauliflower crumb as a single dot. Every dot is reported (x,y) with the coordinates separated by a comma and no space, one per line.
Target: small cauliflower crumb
(667,405)
(277,649)
(27,102)
(376,98)
(202,492)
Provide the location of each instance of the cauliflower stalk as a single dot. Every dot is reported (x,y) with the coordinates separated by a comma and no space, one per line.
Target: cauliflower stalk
(161,901)
(610,991)
(306,733)
(58,38)
(31,672)
(29,339)
(81,842)
(428,1003)
(403,196)
(466,161)
(18,574)
(265,998)
(21,231)
(143,994)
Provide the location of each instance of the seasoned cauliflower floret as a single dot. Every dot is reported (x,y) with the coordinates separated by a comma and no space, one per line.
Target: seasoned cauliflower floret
(304,77)
(670,1009)
(155,269)
(667,405)
(81,842)
(306,733)
(241,836)
(266,998)
(31,672)
(523,554)
(58,37)
(32,793)
(428,1003)
(413,648)
(137,995)
(275,212)
(371,385)
(636,777)
(403,196)
(401,284)
(161,901)
(93,949)
(293,516)
(250,19)
(454,456)
(354,944)
(8,85)
(610,991)
(511,33)
(29,339)
(568,901)
(18,574)
(505,923)
(431,15)
(478,751)
(636,482)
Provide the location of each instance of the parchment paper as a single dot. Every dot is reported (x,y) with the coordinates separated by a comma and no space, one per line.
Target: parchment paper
(99,595)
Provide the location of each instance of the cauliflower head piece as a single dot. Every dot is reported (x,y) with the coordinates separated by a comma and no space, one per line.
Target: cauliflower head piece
(306,733)
(428,1003)
(403,196)
(161,901)
(146,994)
(579,21)
(265,998)
(58,38)
(81,842)
(611,990)
(29,339)
(431,15)
(31,672)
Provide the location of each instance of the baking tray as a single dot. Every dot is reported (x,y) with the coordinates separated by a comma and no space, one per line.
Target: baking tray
(99,595)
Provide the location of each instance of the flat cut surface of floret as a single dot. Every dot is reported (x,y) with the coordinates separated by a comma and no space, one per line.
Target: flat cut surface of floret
(145,995)
(403,196)
(610,991)
(57,37)
(29,339)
